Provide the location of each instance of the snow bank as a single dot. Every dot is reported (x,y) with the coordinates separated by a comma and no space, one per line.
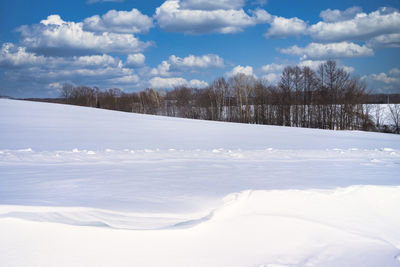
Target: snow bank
(353,226)
(184,181)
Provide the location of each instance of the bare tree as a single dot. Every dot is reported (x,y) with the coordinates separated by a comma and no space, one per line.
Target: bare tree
(395,116)
(66,92)
(242,86)
(218,93)
(286,86)
(378,115)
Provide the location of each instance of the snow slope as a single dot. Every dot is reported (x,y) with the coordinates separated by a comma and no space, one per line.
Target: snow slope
(43,126)
(122,189)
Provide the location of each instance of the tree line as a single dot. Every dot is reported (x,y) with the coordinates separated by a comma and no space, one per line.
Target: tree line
(328,98)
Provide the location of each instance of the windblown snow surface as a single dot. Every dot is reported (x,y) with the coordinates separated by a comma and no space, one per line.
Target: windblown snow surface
(88,187)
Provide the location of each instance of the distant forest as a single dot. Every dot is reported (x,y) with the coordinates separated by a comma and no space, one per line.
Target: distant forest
(328,98)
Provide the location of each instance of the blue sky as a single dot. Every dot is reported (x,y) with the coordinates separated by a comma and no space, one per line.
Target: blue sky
(134,44)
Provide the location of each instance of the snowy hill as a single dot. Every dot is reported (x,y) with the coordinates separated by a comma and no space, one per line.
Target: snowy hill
(123,189)
(43,126)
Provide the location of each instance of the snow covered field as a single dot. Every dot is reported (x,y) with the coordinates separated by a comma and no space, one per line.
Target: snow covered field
(88,187)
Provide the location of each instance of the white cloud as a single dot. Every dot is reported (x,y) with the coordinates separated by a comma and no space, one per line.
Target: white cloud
(385,41)
(212,4)
(119,21)
(363,26)
(382,26)
(103,76)
(163,69)
(86,73)
(190,63)
(55,85)
(395,72)
(384,82)
(247,70)
(260,16)
(54,36)
(329,51)
(135,60)
(96,61)
(14,56)
(128,79)
(335,15)
(168,83)
(392,77)
(159,82)
(197,84)
(50,72)
(314,65)
(273,68)
(272,72)
(347,69)
(272,78)
(283,27)
(172,17)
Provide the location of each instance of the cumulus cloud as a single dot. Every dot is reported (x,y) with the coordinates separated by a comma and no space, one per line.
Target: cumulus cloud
(14,56)
(384,82)
(172,16)
(273,67)
(283,27)
(30,69)
(272,78)
(380,28)
(163,69)
(168,83)
(56,86)
(272,72)
(261,16)
(395,72)
(55,36)
(105,77)
(361,27)
(71,68)
(95,61)
(392,77)
(135,60)
(190,63)
(197,84)
(329,51)
(314,65)
(247,70)
(385,41)
(119,21)
(335,15)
